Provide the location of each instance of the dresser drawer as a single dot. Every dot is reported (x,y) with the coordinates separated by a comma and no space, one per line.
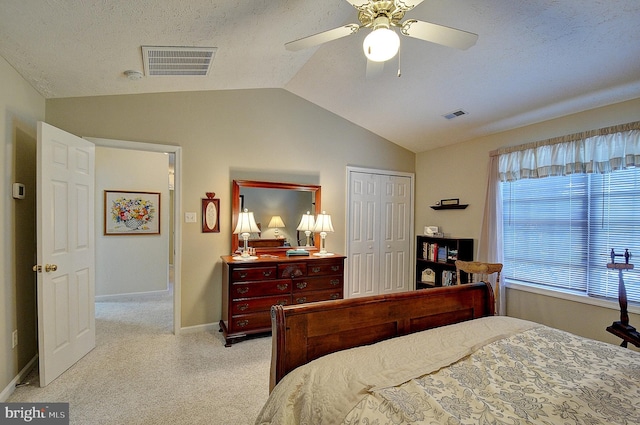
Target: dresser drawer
(317,283)
(313,296)
(253,273)
(292,270)
(252,305)
(250,322)
(260,288)
(325,268)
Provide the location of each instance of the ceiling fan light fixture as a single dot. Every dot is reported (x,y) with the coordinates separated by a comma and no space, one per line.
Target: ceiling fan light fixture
(381,45)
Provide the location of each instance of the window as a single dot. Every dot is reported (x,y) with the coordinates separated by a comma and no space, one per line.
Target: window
(559,231)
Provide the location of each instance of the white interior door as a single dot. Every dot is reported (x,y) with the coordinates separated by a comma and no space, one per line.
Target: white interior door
(380,232)
(364,236)
(395,241)
(65,250)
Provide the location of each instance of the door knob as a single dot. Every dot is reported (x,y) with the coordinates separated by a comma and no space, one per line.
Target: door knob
(50,268)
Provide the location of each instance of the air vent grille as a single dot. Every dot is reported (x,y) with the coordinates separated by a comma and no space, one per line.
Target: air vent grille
(455,114)
(177,61)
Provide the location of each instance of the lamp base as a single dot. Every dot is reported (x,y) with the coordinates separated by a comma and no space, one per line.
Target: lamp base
(323,254)
(248,258)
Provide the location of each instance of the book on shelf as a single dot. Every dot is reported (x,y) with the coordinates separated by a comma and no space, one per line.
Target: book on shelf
(449,278)
(430,251)
(442,254)
(452,255)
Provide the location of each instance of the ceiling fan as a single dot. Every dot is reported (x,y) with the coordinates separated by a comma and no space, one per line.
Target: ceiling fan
(383,42)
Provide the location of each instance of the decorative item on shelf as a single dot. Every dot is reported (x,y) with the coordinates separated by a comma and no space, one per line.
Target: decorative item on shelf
(323,226)
(432,231)
(276,222)
(449,204)
(210,213)
(428,276)
(307,224)
(246,226)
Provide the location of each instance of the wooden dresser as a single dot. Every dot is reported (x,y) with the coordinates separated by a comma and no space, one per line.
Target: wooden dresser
(250,288)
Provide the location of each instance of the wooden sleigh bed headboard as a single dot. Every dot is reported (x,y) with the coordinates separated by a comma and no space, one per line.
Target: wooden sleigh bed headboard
(304,332)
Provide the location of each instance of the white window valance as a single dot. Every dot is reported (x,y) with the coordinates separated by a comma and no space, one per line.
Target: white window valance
(598,151)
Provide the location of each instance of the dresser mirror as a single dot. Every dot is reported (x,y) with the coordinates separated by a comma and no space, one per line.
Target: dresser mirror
(268,200)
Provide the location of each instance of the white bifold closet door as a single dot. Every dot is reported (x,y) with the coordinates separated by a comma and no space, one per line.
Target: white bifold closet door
(380,236)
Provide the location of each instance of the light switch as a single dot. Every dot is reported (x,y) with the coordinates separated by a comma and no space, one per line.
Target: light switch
(189,217)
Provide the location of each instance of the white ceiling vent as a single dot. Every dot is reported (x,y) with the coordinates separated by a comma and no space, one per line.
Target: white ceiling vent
(177,61)
(455,114)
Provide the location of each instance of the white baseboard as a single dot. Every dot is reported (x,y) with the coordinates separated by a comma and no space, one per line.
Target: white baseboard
(9,389)
(200,328)
(115,297)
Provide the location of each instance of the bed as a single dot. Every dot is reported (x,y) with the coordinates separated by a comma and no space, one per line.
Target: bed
(440,356)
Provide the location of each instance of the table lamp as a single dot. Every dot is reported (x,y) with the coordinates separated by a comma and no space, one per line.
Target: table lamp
(276,221)
(323,225)
(307,224)
(246,225)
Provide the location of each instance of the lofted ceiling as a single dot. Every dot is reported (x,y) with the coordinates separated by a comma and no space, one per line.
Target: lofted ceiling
(534,60)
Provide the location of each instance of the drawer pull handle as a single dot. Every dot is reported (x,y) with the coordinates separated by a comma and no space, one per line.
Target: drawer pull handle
(243,323)
(335,296)
(243,307)
(315,269)
(283,286)
(243,275)
(335,268)
(283,302)
(335,282)
(301,285)
(267,273)
(301,300)
(243,290)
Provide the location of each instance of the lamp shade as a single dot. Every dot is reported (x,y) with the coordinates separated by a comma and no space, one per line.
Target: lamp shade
(246,223)
(307,223)
(276,221)
(323,223)
(381,44)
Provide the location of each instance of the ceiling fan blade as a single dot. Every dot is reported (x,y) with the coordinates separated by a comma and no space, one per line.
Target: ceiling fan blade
(323,37)
(407,4)
(439,34)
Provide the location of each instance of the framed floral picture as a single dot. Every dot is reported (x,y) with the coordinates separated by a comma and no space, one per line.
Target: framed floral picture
(131,213)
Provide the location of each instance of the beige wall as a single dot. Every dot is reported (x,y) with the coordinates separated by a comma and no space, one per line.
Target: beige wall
(20,109)
(460,171)
(270,134)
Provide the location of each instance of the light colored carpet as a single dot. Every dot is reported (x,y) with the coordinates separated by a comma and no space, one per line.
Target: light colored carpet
(140,373)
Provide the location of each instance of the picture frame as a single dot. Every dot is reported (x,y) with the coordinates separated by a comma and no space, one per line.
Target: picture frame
(131,213)
(451,201)
(210,215)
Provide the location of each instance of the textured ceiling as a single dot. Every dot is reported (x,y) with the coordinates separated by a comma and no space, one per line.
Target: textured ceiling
(534,60)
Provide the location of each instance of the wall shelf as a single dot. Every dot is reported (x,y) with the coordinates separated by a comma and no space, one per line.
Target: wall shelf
(450,207)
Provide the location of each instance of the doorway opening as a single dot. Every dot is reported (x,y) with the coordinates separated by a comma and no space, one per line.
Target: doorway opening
(173,261)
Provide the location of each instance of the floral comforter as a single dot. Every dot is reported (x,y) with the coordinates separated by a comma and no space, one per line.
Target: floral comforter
(494,370)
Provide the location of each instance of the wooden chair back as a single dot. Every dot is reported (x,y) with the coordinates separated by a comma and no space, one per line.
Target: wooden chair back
(480,272)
